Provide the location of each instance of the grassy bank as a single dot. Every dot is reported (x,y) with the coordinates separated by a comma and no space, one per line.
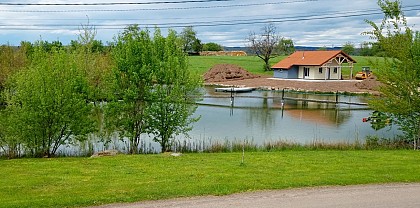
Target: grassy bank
(72,182)
(253,64)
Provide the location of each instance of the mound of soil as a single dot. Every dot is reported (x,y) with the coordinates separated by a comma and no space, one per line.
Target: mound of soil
(227,72)
(369,84)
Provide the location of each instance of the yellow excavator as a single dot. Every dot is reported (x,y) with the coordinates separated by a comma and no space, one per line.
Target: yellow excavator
(364,74)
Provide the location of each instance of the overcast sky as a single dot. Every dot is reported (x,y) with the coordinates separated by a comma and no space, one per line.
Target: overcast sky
(226,22)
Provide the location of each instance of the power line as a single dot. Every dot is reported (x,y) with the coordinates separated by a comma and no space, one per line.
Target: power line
(111,3)
(155,9)
(205,17)
(342,14)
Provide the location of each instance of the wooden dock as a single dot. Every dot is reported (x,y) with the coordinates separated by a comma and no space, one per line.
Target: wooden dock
(324,101)
(283,97)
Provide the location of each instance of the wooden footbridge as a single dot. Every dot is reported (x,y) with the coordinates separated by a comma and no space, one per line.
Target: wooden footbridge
(283,98)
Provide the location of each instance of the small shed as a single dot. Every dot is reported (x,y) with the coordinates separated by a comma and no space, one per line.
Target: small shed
(316,65)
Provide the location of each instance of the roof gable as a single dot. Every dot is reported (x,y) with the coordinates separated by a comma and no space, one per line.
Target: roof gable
(309,58)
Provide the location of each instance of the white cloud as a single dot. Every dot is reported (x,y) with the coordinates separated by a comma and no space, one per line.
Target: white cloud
(243,19)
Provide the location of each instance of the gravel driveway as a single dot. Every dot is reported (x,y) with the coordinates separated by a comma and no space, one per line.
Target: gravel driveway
(366,196)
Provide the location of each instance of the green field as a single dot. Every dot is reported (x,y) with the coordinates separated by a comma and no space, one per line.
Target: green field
(253,64)
(76,182)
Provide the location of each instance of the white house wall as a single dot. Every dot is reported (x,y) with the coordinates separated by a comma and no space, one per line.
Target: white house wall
(314,72)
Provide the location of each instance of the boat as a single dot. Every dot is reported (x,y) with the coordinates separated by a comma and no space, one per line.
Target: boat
(234,89)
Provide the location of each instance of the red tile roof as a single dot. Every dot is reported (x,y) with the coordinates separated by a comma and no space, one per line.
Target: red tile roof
(308,58)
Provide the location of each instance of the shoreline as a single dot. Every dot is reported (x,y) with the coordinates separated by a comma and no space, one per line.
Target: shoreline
(316,86)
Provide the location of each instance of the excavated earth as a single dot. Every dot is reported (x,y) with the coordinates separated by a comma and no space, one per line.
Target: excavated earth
(227,72)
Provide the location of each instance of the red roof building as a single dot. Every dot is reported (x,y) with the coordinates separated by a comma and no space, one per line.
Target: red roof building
(313,65)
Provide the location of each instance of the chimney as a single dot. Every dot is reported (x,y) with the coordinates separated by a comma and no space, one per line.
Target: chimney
(303,55)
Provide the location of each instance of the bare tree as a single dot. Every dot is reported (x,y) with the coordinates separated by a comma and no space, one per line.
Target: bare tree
(265,45)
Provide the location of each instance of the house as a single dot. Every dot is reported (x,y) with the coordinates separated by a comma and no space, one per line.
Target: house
(321,65)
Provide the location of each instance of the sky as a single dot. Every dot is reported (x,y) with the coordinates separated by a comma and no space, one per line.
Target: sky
(317,23)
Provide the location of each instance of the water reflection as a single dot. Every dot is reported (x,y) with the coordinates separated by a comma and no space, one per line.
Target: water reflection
(262,116)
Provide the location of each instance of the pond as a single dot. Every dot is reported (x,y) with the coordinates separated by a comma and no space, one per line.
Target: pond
(262,116)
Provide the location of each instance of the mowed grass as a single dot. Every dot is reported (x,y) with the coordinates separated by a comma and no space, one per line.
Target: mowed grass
(253,64)
(75,182)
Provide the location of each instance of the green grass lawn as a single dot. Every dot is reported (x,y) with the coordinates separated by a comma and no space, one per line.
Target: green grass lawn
(74,182)
(253,64)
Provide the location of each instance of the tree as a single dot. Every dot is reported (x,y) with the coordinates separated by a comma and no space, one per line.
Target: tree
(133,57)
(365,49)
(265,44)
(174,94)
(190,42)
(47,103)
(95,63)
(400,72)
(212,47)
(348,48)
(153,87)
(323,48)
(286,46)
(11,61)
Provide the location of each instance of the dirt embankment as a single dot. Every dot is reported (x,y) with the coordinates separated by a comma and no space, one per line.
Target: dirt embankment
(232,75)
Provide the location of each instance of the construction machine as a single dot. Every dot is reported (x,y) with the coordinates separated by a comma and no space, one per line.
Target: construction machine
(364,74)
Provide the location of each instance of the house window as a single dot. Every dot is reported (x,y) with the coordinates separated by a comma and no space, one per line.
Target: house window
(320,70)
(335,69)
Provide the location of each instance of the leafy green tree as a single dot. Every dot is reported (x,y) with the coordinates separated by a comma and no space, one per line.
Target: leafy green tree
(365,49)
(95,62)
(133,55)
(197,46)
(11,61)
(400,72)
(174,93)
(47,103)
(9,143)
(348,48)
(286,46)
(212,47)
(154,89)
(323,48)
(190,42)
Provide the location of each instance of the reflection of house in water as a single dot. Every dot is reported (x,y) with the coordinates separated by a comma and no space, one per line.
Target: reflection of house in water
(316,112)
(328,117)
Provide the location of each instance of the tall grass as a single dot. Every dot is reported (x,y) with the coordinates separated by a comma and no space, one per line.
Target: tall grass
(220,146)
(88,148)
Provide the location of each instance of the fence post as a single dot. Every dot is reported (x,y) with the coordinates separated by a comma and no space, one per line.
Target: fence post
(336,97)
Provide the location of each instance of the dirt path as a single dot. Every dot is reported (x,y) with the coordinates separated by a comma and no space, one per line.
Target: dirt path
(366,196)
(354,86)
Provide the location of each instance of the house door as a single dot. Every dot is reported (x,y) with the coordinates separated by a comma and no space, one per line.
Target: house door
(305,73)
(328,73)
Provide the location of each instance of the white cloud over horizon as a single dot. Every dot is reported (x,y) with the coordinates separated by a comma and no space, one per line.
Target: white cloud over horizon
(307,22)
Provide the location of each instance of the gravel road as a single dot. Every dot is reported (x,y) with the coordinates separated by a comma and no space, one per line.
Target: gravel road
(366,196)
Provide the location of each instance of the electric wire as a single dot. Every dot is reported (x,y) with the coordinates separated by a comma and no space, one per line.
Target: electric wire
(154,9)
(342,14)
(110,3)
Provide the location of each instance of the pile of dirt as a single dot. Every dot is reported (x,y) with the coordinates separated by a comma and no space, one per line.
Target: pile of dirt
(227,72)
(369,84)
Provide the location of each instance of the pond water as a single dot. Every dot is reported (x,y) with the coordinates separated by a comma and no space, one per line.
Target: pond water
(260,116)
